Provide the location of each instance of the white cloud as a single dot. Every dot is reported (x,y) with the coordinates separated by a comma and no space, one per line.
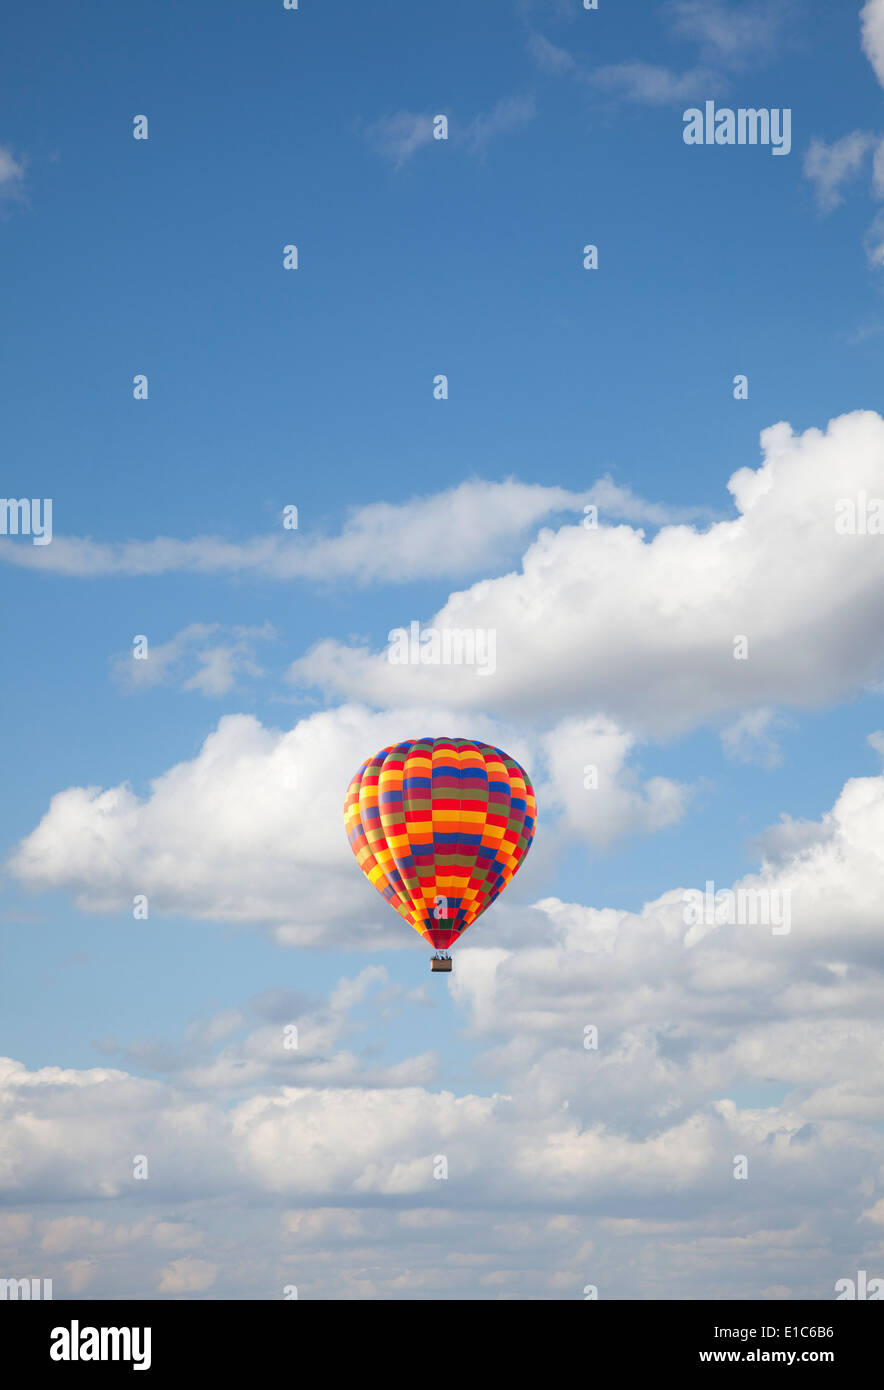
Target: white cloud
(618,1159)
(12,175)
(251,829)
(685,1013)
(615,500)
(79,1274)
(551,968)
(509,114)
(752,737)
(192,661)
(605,620)
(649,82)
(548,56)
(873,241)
(875,1213)
(872,31)
(208,1058)
(380,543)
(789,838)
(399,136)
(878,170)
(577,1139)
(63,1234)
(15,1229)
(187,1276)
(830,166)
(729,37)
(733,34)
(600,797)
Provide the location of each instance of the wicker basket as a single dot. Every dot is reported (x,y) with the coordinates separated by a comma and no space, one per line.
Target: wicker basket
(440,964)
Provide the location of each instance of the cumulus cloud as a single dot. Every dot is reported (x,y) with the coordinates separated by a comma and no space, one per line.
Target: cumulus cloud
(251,829)
(617,1157)
(232,1052)
(599,795)
(686,1012)
(86,1234)
(646,631)
(380,543)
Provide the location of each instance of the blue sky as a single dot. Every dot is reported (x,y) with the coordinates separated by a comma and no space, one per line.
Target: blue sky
(314,387)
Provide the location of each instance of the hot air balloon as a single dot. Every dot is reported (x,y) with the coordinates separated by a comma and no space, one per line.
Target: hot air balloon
(440,826)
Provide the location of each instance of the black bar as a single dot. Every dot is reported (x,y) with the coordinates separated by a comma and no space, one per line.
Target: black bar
(317,1337)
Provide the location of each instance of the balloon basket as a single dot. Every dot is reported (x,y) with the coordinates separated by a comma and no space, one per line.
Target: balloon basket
(440,964)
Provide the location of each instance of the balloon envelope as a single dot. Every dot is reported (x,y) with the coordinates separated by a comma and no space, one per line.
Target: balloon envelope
(440,826)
